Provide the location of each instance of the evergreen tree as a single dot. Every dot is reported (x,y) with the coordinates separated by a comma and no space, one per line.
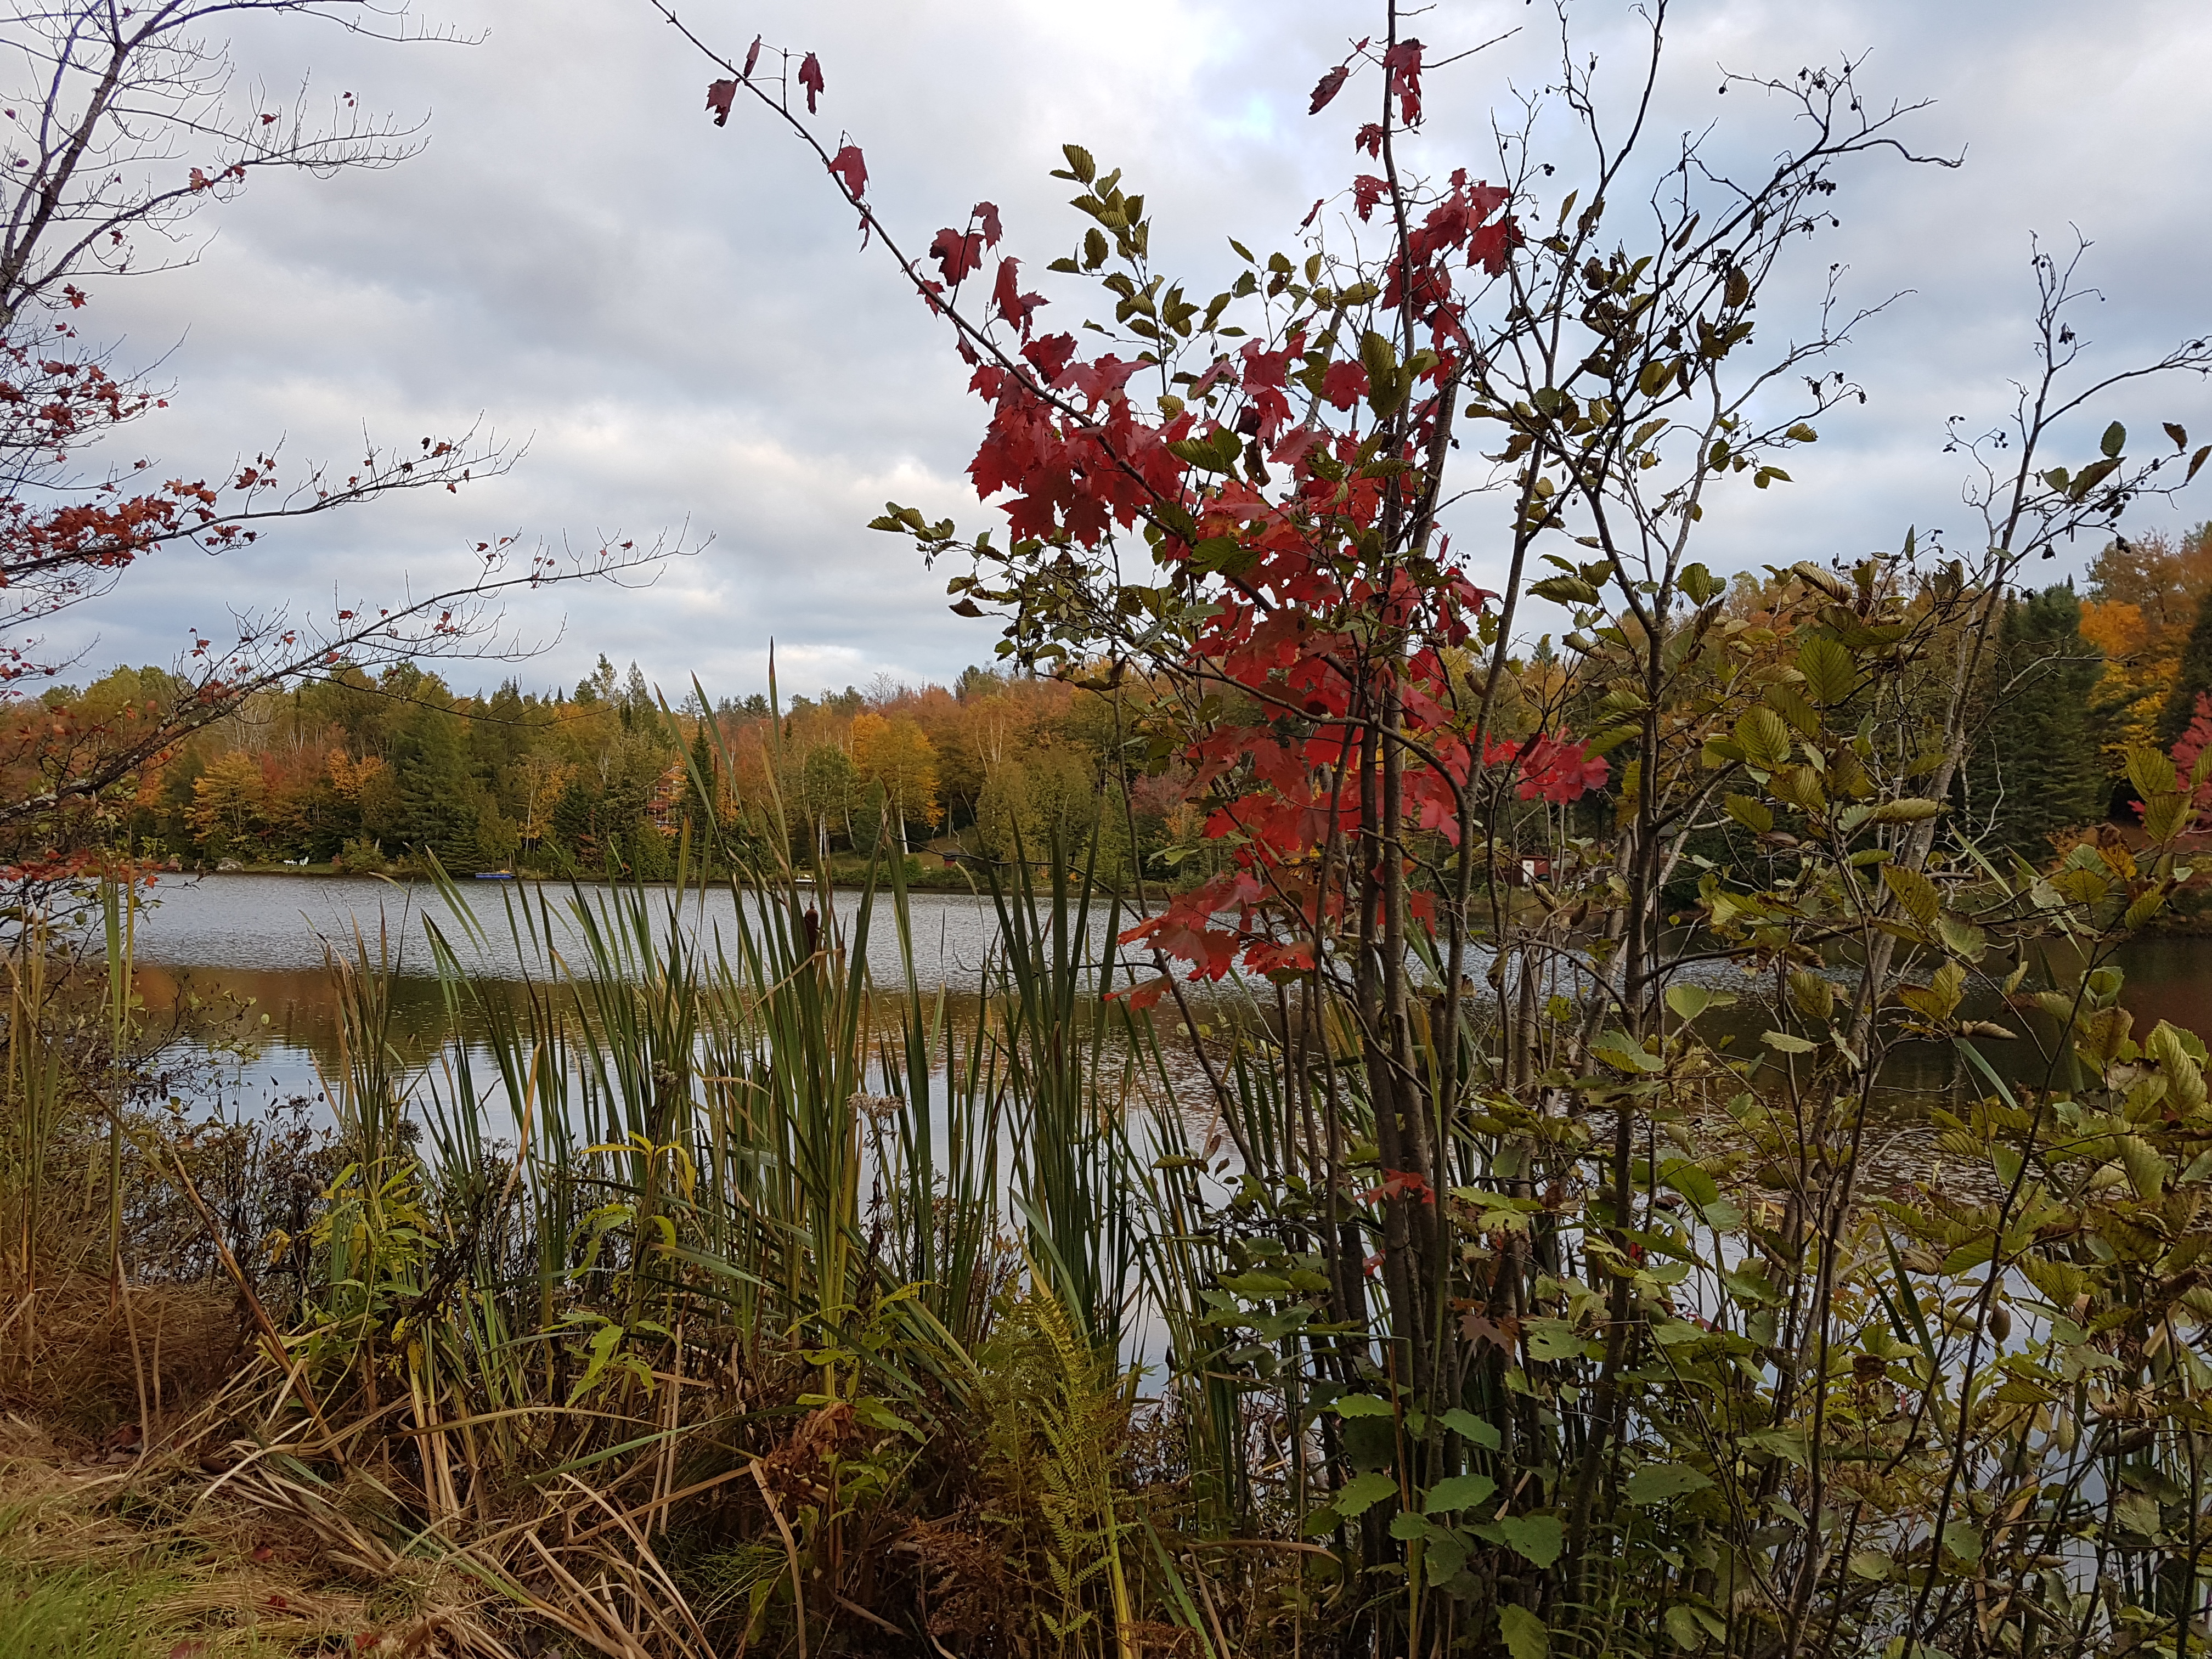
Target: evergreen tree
(2036,769)
(438,804)
(2192,676)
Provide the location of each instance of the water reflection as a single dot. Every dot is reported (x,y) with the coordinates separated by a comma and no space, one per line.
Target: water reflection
(242,958)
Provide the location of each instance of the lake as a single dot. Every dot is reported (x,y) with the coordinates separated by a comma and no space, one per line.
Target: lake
(242,956)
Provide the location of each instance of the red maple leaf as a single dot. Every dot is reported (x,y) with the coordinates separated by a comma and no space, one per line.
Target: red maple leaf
(850,168)
(1013,305)
(1344,383)
(1488,246)
(957,254)
(1366,191)
(1329,85)
(986,214)
(1369,138)
(810,76)
(720,94)
(752,57)
(1404,63)
(1050,354)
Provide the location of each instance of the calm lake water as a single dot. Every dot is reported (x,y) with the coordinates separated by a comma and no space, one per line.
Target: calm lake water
(243,958)
(244,955)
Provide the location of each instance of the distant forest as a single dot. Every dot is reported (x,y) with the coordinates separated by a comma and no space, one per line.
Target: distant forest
(368,774)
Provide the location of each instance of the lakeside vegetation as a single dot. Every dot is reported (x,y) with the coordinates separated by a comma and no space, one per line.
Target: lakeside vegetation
(1545,1260)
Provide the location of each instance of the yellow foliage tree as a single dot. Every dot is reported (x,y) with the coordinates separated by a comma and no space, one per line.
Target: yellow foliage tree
(2143,600)
(226,802)
(897,757)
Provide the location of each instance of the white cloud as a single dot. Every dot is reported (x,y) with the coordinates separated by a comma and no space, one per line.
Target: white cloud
(679,320)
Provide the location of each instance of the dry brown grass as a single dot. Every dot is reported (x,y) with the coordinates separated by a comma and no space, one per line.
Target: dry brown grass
(91,1367)
(206,1570)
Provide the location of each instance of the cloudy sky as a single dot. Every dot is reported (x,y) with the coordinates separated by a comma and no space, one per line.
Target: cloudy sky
(680,323)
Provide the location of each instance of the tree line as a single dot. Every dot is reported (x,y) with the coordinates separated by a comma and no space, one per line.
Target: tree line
(377,771)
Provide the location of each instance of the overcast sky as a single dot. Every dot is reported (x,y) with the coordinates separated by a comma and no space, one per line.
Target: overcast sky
(679,322)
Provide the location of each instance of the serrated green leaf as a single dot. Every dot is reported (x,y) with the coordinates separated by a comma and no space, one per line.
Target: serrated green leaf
(1829,674)
(1523,1632)
(1460,1491)
(1361,1404)
(1362,1494)
(1764,738)
(2151,770)
(1565,590)
(1754,815)
(1617,1050)
(1914,891)
(1784,700)
(1537,1538)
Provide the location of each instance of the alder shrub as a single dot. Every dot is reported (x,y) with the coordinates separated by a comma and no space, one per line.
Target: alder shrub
(1585,1281)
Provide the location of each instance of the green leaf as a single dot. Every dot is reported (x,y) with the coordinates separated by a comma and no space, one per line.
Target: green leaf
(1523,1631)
(1754,815)
(1258,1283)
(1682,1627)
(1565,590)
(1468,1426)
(2115,440)
(1539,1538)
(2151,770)
(1661,1483)
(1829,674)
(1688,1001)
(1871,1563)
(1361,1492)
(1961,937)
(1461,1491)
(1911,809)
(1551,1338)
(1362,1405)
(1690,1180)
(1618,1051)
(1764,738)
(1914,891)
(1080,162)
(1787,1043)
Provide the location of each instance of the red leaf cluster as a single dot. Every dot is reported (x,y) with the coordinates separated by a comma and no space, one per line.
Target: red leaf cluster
(1403,63)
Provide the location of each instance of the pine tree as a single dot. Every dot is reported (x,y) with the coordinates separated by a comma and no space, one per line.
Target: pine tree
(2037,769)
(438,798)
(2192,676)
